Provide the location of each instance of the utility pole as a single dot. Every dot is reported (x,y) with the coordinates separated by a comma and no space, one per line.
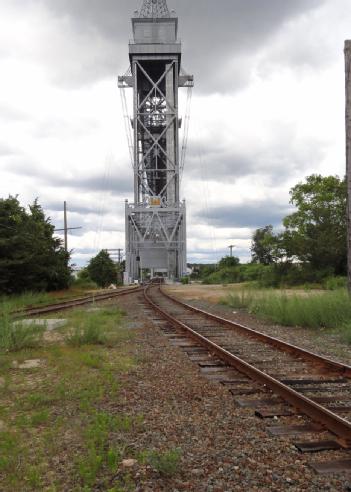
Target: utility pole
(348,153)
(66,229)
(231,249)
(65,224)
(118,252)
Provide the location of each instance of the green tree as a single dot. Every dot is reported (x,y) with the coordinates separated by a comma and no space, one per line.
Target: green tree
(228,261)
(102,270)
(316,232)
(263,247)
(31,258)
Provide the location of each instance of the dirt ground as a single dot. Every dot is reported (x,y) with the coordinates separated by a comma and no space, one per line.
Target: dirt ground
(214,293)
(197,292)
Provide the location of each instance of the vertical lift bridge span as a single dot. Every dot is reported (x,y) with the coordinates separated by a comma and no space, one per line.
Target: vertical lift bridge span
(156,221)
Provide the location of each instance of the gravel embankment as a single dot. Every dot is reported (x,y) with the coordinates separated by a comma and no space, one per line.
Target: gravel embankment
(321,341)
(224,448)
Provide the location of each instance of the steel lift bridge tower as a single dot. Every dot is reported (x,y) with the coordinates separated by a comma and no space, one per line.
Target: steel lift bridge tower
(156,221)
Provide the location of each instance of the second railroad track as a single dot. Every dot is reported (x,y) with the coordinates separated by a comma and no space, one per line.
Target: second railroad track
(298,382)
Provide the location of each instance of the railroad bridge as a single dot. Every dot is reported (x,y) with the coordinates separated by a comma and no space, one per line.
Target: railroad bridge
(155,223)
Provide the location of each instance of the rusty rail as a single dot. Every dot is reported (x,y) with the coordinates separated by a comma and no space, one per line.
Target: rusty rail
(316,359)
(81,301)
(332,422)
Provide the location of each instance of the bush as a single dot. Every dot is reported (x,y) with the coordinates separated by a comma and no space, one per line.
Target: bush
(185,280)
(334,283)
(228,275)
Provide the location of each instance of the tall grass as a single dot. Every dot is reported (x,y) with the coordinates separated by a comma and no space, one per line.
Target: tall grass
(95,328)
(314,310)
(18,302)
(15,336)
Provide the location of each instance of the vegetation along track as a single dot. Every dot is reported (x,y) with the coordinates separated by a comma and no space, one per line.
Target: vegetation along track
(72,303)
(313,386)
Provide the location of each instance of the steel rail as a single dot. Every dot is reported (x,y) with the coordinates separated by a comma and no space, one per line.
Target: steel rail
(61,306)
(329,420)
(316,359)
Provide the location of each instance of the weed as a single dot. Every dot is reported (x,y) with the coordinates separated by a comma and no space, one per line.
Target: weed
(9,452)
(88,334)
(37,400)
(240,299)
(39,418)
(18,302)
(15,336)
(99,453)
(33,477)
(335,283)
(312,310)
(96,328)
(166,463)
(346,333)
(113,457)
(94,361)
(89,466)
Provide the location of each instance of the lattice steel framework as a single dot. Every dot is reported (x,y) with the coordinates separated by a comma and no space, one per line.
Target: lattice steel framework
(156,221)
(154,9)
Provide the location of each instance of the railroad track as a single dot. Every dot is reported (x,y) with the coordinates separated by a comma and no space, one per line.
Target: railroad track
(72,303)
(290,381)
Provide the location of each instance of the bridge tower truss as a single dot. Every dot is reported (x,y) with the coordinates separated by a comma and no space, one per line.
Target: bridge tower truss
(156,221)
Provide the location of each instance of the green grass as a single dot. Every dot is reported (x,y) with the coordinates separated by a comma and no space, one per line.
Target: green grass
(98,328)
(330,309)
(18,302)
(99,454)
(31,299)
(67,407)
(15,336)
(166,463)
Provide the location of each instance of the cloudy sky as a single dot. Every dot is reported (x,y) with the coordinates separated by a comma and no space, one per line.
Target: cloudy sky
(267,110)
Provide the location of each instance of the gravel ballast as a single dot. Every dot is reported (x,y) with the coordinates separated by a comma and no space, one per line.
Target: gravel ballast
(223,447)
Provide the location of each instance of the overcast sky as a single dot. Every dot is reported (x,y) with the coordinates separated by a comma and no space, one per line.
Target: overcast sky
(267,110)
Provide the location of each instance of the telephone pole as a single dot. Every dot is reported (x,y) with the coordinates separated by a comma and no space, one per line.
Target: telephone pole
(348,153)
(66,229)
(231,249)
(65,224)
(118,252)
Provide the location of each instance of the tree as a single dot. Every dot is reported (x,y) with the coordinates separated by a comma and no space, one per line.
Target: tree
(264,243)
(102,270)
(228,261)
(31,258)
(316,232)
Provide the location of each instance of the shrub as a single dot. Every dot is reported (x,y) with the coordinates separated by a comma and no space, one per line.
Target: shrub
(334,283)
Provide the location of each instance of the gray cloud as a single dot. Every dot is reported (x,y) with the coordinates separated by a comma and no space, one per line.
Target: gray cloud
(10,114)
(218,39)
(60,128)
(251,215)
(6,150)
(108,182)
(287,156)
